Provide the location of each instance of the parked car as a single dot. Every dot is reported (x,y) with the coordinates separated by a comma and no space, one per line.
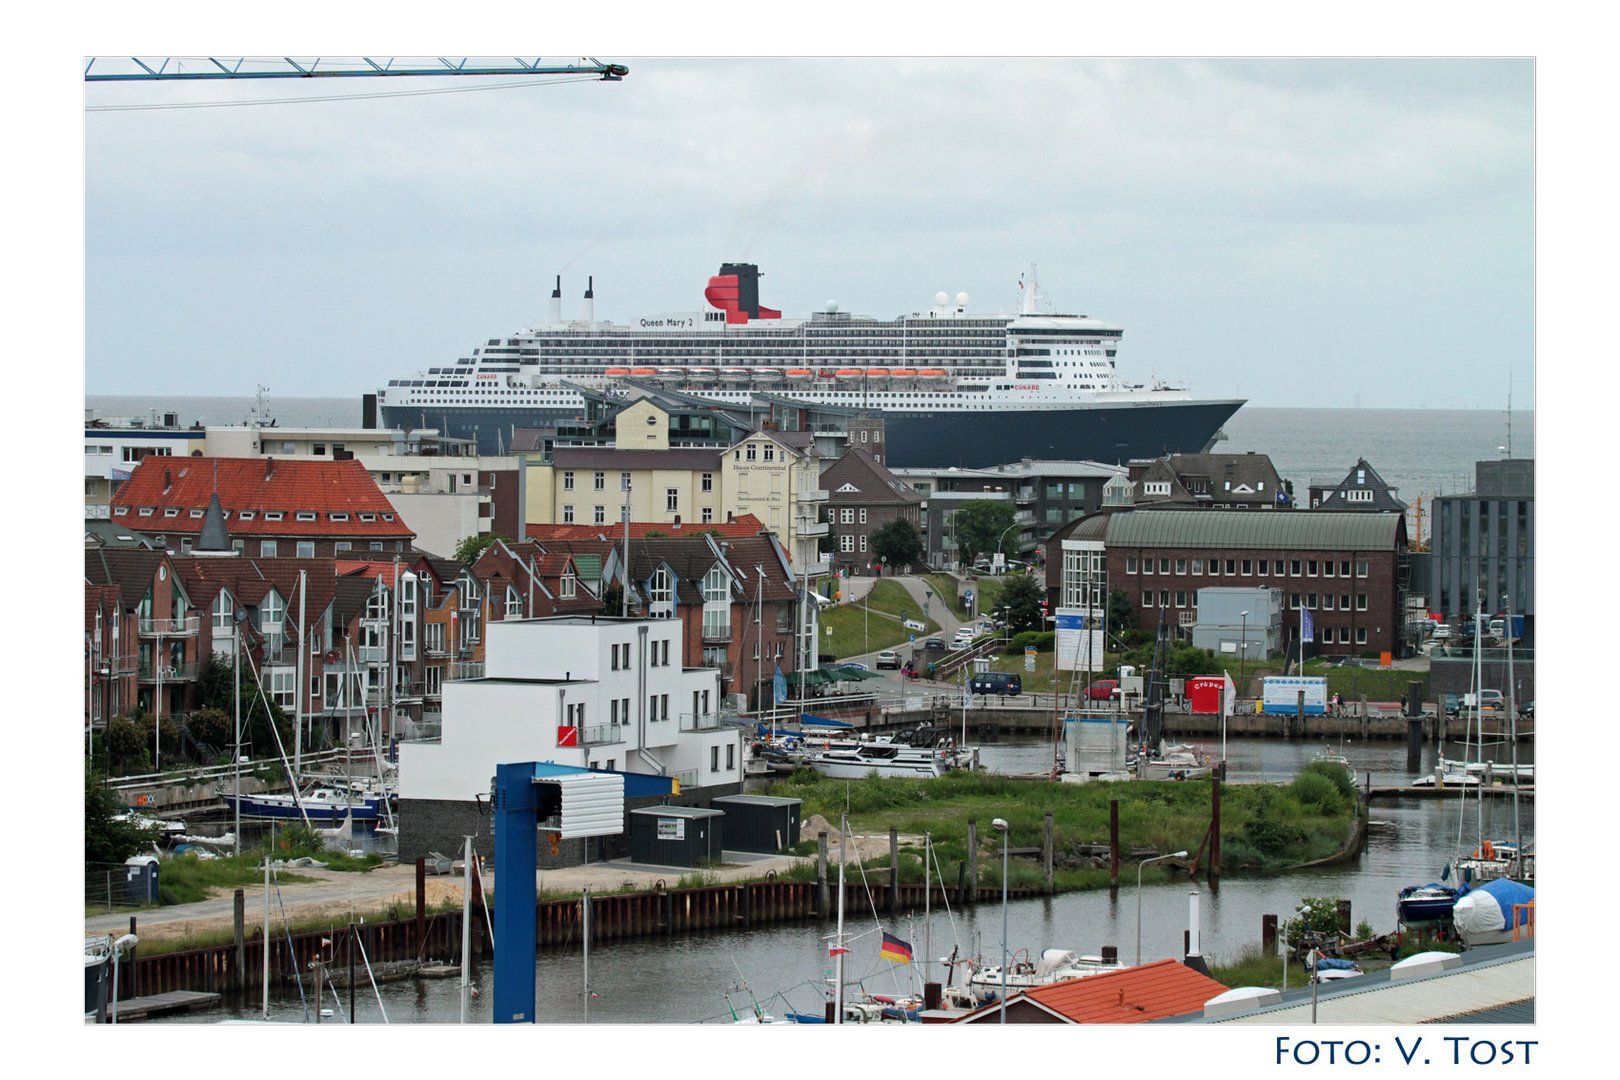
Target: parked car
(888,658)
(1103,689)
(997,682)
(1452,705)
(1441,632)
(935,643)
(1528,710)
(853,665)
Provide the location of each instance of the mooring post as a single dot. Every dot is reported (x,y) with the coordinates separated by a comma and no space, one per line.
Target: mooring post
(894,869)
(239,935)
(1344,917)
(821,873)
(134,969)
(1113,844)
(973,858)
(1215,830)
(421,902)
(1046,851)
(1268,935)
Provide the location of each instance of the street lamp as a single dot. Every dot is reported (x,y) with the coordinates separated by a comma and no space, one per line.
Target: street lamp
(1000,825)
(1139,866)
(1243,655)
(1003,536)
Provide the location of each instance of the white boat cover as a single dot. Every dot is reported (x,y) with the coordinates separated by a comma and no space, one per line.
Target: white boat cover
(1486,912)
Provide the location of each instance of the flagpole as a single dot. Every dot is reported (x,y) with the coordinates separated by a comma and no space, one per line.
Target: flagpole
(838,986)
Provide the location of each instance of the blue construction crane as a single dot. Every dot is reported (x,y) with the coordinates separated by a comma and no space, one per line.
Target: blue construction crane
(172,68)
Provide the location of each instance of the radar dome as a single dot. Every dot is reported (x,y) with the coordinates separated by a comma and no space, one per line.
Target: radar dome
(942,298)
(832,305)
(961,299)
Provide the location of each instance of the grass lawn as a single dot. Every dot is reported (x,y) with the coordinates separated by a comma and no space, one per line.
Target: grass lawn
(861,628)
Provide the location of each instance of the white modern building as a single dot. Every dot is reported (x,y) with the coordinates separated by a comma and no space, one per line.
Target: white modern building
(590,692)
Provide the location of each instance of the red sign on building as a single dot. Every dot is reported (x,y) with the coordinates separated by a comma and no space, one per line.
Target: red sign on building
(567,736)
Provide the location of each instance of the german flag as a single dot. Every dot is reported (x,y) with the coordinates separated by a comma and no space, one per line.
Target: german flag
(895,949)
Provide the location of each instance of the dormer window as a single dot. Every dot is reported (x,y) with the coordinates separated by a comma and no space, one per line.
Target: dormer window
(388,517)
(247,515)
(305,515)
(274,515)
(196,513)
(146,511)
(368,517)
(171,511)
(340,516)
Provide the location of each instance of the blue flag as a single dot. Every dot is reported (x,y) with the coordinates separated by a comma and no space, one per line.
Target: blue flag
(779,686)
(1307,632)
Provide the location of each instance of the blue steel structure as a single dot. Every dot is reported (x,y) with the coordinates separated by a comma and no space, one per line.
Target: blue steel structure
(521,800)
(286,67)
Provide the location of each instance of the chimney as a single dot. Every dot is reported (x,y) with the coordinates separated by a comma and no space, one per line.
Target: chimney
(167,481)
(587,312)
(731,516)
(677,521)
(555,311)
(269,467)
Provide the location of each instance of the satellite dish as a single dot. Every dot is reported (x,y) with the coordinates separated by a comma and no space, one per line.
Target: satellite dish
(942,298)
(239,614)
(961,299)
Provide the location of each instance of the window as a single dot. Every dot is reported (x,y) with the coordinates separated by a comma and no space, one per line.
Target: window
(267,549)
(624,481)
(1277,568)
(1293,600)
(1181,599)
(599,481)
(306,549)
(1361,568)
(284,686)
(273,515)
(1327,568)
(731,759)
(770,452)
(1181,566)
(339,516)
(672,500)
(1293,567)
(714,751)
(568,513)
(1130,564)
(304,515)
(708,515)
(662,595)
(1198,566)
(514,604)
(1147,566)
(1164,597)
(848,516)
(568,480)
(567,584)
(1248,568)
(863,515)
(1344,601)
(708,481)
(1310,600)
(1147,597)
(863,541)
(748,452)
(846,543)
(599,516)
(1231,567)
(1361,601)
(1164,566)
(1310,568)
(1361,635)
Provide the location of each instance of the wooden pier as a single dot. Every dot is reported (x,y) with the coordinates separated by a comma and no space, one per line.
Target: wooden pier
(173,1001)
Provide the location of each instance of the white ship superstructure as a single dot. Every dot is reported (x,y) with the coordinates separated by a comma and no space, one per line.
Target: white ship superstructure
(940,363)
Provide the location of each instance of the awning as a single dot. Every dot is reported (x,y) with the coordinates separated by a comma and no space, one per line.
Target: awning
(808,720)
(810,678)
(847,674)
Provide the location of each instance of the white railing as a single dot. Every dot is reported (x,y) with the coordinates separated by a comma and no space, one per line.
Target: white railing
(169,627)
(702,721)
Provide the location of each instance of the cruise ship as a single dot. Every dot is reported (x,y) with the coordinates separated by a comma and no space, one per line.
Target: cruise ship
(953,387)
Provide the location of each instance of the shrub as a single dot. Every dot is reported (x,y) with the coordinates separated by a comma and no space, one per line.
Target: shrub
(1312,789)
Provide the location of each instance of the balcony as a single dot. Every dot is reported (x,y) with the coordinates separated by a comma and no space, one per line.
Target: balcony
(186,627)
(169,672)
(810,495)
(704,721)
(601,734)
(464,669)
(807,529)
(716,633)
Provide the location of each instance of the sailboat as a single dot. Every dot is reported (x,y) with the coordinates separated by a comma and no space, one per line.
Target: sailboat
(1490,860)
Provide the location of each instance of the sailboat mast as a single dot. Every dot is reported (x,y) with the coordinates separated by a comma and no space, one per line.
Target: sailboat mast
(1513,726)
(466,925)
(838,967)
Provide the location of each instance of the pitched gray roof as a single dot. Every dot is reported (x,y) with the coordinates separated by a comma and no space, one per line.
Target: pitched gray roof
(1323,529)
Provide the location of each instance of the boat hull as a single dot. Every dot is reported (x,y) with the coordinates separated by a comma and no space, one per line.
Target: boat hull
(283,808)
(966,438)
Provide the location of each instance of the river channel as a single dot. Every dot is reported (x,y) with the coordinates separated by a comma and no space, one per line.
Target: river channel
(693,979)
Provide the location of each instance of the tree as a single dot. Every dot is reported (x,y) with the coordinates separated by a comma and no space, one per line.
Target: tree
(1020,604)
(978,527)
(1122,618)
(214,685)
(471,547)
(898,543)
(106,840)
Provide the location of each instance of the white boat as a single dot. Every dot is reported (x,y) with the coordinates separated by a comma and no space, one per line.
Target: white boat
(1492,772)
(1494,913)
(1175,761)
(884,759)
(1026,380)
(1337,760)
(1054,965)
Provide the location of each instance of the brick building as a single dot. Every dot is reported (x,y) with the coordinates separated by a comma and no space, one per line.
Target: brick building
(863,497)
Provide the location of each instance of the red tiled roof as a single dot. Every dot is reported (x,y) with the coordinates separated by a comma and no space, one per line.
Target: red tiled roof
(262,486)
(744,525)
(1132,996)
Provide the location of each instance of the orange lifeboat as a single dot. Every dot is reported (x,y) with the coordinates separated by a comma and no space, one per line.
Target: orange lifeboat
(617,371)
(848,373)
(904,373)
(877,373)
(643,371)
(933,373)
(800,373)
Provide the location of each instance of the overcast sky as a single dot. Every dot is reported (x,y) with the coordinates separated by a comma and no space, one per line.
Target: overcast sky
(1298,233)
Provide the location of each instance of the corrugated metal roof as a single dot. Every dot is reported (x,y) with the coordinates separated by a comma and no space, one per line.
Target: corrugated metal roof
(1256,529)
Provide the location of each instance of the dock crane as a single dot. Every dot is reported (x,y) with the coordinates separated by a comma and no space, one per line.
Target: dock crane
(172,68)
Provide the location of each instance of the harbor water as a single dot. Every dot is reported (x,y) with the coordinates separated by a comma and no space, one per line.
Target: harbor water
(701,978)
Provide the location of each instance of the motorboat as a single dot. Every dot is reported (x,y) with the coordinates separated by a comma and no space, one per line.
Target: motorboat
(884,759)
(1174,761)
(1054,965)
(1496,912)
